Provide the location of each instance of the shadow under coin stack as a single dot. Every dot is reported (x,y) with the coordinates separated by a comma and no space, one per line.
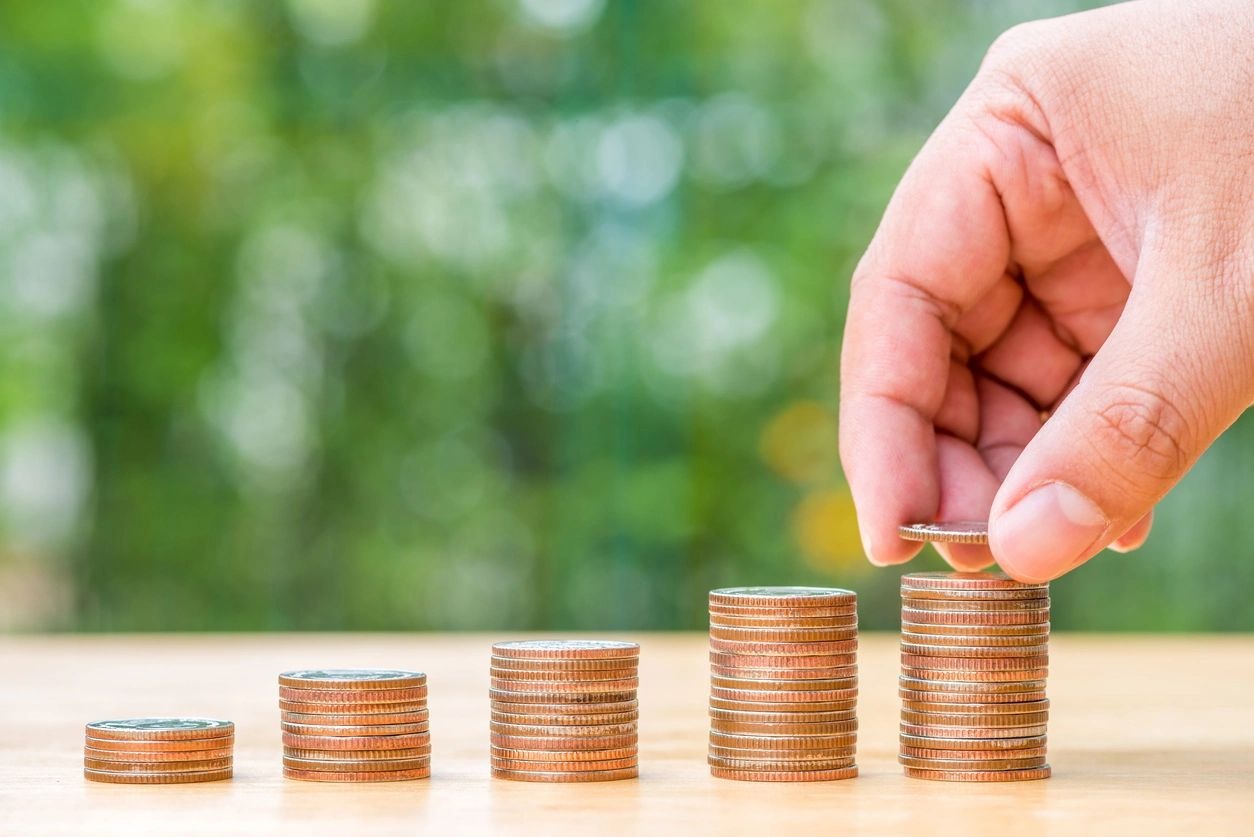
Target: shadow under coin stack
(564,710)
(783,684)
(974,657)
(355,725)
(159,751)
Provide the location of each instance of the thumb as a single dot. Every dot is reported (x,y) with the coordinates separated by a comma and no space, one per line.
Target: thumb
(1176,371)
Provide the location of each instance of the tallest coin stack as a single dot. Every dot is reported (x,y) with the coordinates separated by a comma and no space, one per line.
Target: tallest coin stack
(974,656)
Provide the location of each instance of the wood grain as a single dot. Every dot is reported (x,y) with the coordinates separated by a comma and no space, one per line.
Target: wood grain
(1148,735)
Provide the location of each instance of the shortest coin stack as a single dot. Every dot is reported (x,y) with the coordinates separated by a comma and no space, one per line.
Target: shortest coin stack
(158,751)
(564,710)
(355,725)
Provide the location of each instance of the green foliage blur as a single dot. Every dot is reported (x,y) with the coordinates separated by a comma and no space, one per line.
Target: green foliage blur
(506,314)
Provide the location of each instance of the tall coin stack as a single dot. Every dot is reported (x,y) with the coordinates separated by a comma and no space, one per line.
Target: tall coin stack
(564,710)
(974,658)
(159,751)
(355,725)
(783,684)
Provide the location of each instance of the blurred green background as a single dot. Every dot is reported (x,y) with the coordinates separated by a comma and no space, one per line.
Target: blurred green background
(335,314)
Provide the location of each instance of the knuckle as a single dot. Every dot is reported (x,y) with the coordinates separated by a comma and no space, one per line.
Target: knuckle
(1141,434)
(1018,44)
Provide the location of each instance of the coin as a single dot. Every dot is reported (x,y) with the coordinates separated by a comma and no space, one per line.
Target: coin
(823,695)
(515,754)
(970,764)
(983,719)
(160,729)
(977,606)
(564,665)
(1020,708)
(583,708)
(988,700)
(549,686)
(779,764)
(784,776)
(746,741)
(961,593)
(593,675)
(554,742)
(782,596)
(159,768)
(563,720)
(597,730)
(564,766)
(768,661)
(354,679)
(782,717)
(801,758)
(1015,754)
(561,776)
(929,742)
(783,685)
(914,616)
(187,745)
(966,582)
(964,651)
(355,765)
(363,710)
(777,706)
(355,729)
(347,696)
(415,717)
(756,728)
(978,641)
(361,755)
(1038,629)
(784,649)
(991,687)
(158,756)
(721,620)
(939,731)
(789,635)
(957,531)
(1026,774)
(359,776)
(364,742)
(955,676)
(981,664)
(555,698)
(122,778)
(566,648)
(755,674)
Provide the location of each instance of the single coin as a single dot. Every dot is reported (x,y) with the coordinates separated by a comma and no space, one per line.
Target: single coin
(1017,754)
(838,673)
(912,616)
(1010,687)
(782,596)
(779,765)
(784,634)
(564,766)
(355,730)
(121,778)
(989,701)
(416,717)
(954,676)
(797,757)
(737,741)
(396,708)
(982,719)
(578,776)
(514,754)
(595,731)
(158,756)
(974,605)
(784,649)
(592,675)
(955,531)
(783,717)
(563,720)
(360,776)
(160,729)
(939,731)
(776,706)
(354,679)
(962,651)
(784,776)
(930,742)
(974,663)
(1037,630)
(555,698)
(762,661)
(357,765)
(844,622)
(159,768)
(583,708)
(566,648)
(337,697)
(821,695)
(365,742)
(974,594)
(187,745)
(783,685)
(970,764)
(802,730)
(534,742)
(1018,708)
(565,664)
(566,686)
(360,755)
(965,581)
(976,642)
(844,616)
(1024,775)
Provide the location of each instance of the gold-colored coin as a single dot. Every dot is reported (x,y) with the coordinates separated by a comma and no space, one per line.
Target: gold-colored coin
(564,766)
(627,684)
(419,716)
(357,765)
(1021,753)
(990,687)
(576,776)
(534,707)
(966,581)
(780,696)
(982,719)
(1018,708)
(989,732)
(936,742)
(533,742)
(784,776)
(784,649)
(974,605)
(955,677)
(516,754)
(777,706)
(914,616)
(363,742)
(355,730)
(779,765)
(991,701)
(976,642)
(157,756)
(360,755)
(841,622)
(755,674)
(948,651)
(556,698)
(1024,775)
(754,728)
(199,766)
(783,685)
(783,717)
(737,741)
(121,778)
(798,757)
(337,697)
(974,663)
(187,745)
(970,764)
(565,664)
(955,531)
(784,634)
(364,709)
(592,675)
(594,731)
(360,776)
(770,661)
(563,720)
(1040,629)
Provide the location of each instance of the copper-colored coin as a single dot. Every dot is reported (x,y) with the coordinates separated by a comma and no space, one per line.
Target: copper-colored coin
(779,765)
(954,531)
(955,677)
(977,642)
(776,706)
(782,597)
(783,717)
(990,687)
(784,634)
(797,757)
(575,649)
(965,581)
(784,649)
(566,686)
(304,708)
(555,698)
(770,661)
(982,719)
(190,745)
(359,776)
(1016,708)
(836,617)
(563,731)
(357,765)
(120,778)
(582,708)
(939,731)
(1040,629)
(970,764)
(592,675)
(338,697)
(737,741)
(564,766)
(913,616)
(725,620)
(160,729)
(962,651)
(974,594)
(516,754)
(824,695)
(784,776)
(356,730)
(361,755)
(565,664)
(365,742)
(960,698)
(159,756)
(415,717)
(352,679)
(933,742)
(1018,753)
(533,742)
(563,720)
(974,663)
(578,776)
(160,768)
(838,673)
(1024,775)
(974,605)
(783,685)
(753,728)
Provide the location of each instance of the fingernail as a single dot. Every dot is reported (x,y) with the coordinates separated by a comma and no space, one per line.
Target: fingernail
(869,552)
(1047,532)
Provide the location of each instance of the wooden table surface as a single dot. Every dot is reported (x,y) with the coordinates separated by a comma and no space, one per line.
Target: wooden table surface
(1148,735)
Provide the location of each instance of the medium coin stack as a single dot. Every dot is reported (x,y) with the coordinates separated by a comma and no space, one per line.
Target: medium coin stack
(159,751)
(974,658)
(564,710)
(783,684)
(355,725)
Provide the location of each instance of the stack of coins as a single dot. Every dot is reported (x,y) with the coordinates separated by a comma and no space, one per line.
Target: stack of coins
(974,657)
(783,684)
(355,725)
(564,710)
(159,751)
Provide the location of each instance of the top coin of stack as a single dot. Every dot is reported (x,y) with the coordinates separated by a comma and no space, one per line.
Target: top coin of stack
(158,751)
(564,710)
(974,654)
(355,725)
(783,683)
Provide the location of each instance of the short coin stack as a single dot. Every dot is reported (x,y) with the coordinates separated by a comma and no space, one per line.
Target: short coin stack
(159,751)
(974,657)
(783,684)
(355,725)
(564,710)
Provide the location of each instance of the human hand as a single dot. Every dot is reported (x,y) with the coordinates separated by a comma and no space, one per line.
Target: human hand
(1056,315)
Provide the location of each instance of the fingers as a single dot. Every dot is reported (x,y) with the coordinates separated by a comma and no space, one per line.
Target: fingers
(1135,537)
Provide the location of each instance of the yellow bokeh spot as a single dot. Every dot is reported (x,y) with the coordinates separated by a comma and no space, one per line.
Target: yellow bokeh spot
(826,530)
(799,443)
